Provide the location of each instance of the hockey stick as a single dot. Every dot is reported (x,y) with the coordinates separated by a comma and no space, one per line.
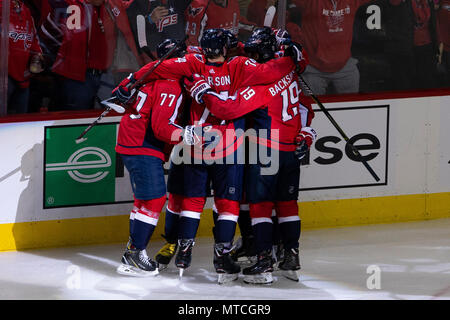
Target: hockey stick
(104,113)
(270,14)
(110,105)
(338,128)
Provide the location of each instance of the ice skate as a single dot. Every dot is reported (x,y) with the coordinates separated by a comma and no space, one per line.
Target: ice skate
(244,252)
(136,263)
(290,265)
(165,255)
(184,256)
(277,255)
(226,268)
(261,271)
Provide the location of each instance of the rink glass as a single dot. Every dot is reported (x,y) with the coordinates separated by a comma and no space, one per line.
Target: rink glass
(124,39)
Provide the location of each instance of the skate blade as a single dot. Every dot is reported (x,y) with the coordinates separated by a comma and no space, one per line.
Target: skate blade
(127,270)
(227,277)
(246,260)
(162,267)
(180,273)
(263,278)
(293,275)
(276,267)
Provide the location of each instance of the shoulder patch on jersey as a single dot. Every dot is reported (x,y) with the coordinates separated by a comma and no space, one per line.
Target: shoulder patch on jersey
(194,49)
(194,11)
(232,58)
(199,57)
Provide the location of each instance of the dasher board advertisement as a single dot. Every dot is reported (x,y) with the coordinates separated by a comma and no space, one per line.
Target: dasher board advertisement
(88,173)
(331,163)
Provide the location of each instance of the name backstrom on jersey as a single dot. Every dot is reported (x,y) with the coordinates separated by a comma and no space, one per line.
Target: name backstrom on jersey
(282,84)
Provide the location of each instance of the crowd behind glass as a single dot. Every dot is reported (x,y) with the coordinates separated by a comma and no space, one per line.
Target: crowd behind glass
(70,54)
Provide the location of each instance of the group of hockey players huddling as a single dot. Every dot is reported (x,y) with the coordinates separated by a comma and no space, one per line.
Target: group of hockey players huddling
(222,86)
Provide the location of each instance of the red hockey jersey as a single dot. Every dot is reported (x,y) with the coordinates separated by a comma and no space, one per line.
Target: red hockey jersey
(443,24)
(148,127)
(327,31)
(207,14)
(23,42)
(280,110)
(224,78)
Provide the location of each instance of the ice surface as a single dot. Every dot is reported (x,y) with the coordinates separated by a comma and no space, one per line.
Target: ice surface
(413,260)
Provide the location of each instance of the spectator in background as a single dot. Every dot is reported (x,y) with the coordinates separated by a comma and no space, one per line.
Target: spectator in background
(327,32)
(243,5)
(257,11)
(208,14)
(399,44)
(43,90)
(127,56)
(443,28)
(369,39)
(154,21)
(79,37)
(24,56)
(38,9)
(411,44)
(425,44)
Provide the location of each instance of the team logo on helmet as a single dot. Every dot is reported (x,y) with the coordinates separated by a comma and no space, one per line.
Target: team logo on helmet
(169,44)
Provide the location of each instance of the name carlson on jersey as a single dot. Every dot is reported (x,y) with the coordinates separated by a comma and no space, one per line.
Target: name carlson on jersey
(219,81)
(282,84)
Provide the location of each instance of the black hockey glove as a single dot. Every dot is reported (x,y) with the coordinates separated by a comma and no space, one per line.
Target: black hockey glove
(294,50)
(122,92)
(123,95)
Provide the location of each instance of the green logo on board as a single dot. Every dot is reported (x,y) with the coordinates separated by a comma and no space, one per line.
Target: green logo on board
(79,174)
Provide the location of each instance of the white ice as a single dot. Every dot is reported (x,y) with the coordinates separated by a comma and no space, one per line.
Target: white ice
(413,260)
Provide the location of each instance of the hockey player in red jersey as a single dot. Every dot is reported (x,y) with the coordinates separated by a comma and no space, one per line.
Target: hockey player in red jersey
(175,185)
(224,75)
(281,124)
(146,132)
(202,15)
